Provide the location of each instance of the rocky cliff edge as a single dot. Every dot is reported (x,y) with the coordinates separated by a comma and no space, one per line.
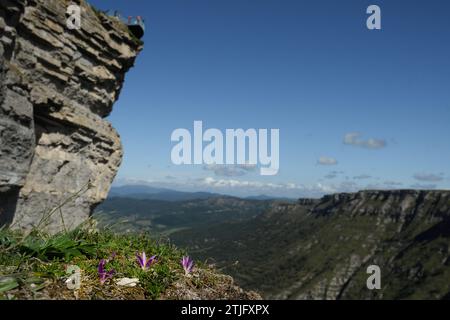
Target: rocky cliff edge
(58,155)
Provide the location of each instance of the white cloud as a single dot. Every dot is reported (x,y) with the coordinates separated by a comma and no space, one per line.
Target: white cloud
(429,177)
(333,174)
(354,139)
(233,183)
(327,161)
(230,170)
(245,187)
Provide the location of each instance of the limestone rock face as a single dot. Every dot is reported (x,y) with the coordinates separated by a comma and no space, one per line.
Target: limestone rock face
(58,155)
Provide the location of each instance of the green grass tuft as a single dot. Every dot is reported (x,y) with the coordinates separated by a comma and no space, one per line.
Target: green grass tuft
(37,263)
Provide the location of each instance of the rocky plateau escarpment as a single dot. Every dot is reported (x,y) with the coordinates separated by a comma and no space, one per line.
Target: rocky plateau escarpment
(57,85)
(321,248)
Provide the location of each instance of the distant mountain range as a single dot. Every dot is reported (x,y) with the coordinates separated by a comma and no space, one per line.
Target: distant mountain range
(153,193)
(139,212)
(307,249)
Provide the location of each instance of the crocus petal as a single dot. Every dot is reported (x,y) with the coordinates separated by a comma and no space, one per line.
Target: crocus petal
(102,274)
(150,261)
(188,264)
(101,266)
(140,260)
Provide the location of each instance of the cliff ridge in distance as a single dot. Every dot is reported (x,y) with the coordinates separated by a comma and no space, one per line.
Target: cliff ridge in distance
(321,248)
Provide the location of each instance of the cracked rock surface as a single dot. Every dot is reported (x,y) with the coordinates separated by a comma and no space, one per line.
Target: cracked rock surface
(56,87)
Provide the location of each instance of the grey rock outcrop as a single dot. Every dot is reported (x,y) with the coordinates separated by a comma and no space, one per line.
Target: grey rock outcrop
(58,155)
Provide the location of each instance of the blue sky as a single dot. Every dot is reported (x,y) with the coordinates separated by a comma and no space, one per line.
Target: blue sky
(311,69)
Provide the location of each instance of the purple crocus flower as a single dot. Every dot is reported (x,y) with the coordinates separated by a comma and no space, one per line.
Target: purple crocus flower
(188,265)
(145,263)
(102,273)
